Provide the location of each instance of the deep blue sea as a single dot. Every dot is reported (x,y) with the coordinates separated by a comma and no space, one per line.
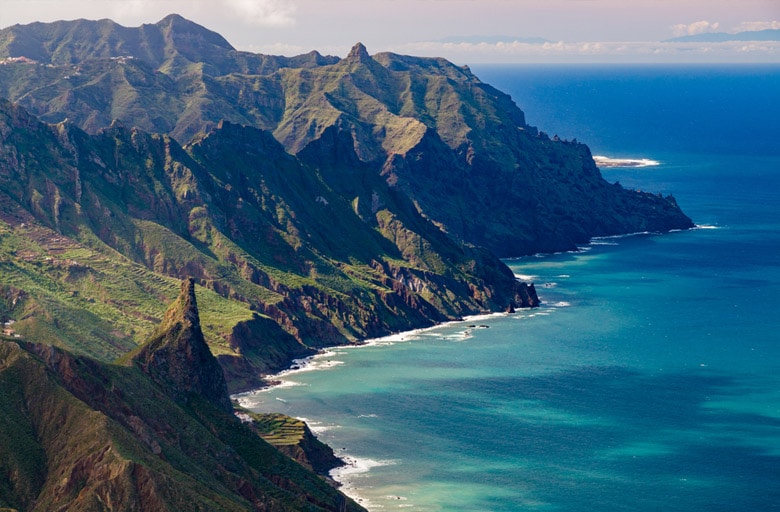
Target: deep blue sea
(650,378)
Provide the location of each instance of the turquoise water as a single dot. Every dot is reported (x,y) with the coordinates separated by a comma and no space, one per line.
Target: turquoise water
(649,379)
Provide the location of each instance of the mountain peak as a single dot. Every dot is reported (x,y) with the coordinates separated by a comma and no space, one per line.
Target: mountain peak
(358,53)
(178,358)
(177,24)
(185,309)
(172,18)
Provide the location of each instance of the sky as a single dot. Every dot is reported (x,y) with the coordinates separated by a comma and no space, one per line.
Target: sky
(464,31)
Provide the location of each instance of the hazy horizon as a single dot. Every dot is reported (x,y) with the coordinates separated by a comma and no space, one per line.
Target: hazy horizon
(464,31)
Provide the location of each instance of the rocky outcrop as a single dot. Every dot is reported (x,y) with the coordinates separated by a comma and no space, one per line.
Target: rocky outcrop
(248,221)
(457,147)
(80,435)
(178,358)
(293,437)
(525,296)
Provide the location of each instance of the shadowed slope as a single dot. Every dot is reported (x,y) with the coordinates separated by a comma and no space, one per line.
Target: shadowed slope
(80,435)
(301,256)
(457,147)
(177,357)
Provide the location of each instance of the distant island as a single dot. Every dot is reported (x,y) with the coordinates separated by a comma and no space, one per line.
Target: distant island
(722,37)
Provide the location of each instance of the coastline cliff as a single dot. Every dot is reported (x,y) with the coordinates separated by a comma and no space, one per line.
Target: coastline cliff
(321,200)
(312,201)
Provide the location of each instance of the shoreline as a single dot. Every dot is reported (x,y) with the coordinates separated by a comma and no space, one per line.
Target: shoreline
(304,364)
(352,465)
(300,364)
(344,476)
(341,476)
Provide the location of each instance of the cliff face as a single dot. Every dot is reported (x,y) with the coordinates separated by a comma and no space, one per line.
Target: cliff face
(292,437)
(315,200)
(275,238)
(339,199)
(459,149)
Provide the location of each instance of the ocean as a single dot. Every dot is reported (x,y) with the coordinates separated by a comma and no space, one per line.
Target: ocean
(650,377)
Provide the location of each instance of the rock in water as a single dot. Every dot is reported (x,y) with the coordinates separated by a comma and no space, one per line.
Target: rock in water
(178,358)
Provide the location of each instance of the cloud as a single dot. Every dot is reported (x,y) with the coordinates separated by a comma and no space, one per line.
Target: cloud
(265,12)
(612,51)
(751,26)
(288,49)
(698,27)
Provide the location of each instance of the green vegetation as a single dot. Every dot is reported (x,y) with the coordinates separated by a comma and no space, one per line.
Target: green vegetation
(97,244)
(317,201)
(80,434)
(430,129)
(278,429)
(341,199)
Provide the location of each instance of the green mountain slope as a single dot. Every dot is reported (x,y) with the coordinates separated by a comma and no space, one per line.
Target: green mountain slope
(457,148)
(316,201)
(322,200)
(96,226)
(82,435)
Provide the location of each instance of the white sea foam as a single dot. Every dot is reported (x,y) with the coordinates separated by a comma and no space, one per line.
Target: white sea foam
(394,338)
(287,383)
(561,304)
(357,466)
(459,336)
(252,399)
(605,161)
(617,237)
(316,426)
(706,226)
(477,318)
(526,278)
(316,362)
(354,469)
(323,361)
(245,418)
(247,400)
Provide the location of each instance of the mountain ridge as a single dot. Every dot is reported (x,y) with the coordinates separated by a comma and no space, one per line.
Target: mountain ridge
(200,212)
(313,201)
(422,164)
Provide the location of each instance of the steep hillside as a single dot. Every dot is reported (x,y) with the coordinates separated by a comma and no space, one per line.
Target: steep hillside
(169,77)
(95,227)
(323,200)
(457,148)
(313,201)
(82,435)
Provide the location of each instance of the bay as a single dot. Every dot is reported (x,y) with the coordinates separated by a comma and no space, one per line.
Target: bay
(650,377)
